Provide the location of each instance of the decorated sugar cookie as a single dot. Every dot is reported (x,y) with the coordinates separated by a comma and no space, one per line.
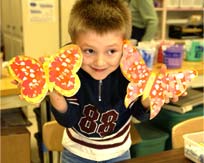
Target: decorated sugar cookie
(153,85)
(57,72)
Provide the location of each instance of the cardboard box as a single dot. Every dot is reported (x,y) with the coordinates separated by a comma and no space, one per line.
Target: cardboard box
(15,145)
(194,146)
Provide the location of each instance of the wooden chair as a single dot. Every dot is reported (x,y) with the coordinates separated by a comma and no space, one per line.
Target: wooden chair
(188,126)
(52,137)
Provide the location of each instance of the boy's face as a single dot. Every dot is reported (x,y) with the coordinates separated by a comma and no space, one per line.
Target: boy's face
(101,53)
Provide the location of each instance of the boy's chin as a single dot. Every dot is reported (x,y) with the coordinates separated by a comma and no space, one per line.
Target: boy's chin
(98,77)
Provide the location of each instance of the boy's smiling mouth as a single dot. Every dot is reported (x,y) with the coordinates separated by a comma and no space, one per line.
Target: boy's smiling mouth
(99,69)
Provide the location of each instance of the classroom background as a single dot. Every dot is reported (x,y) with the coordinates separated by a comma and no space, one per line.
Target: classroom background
(39,28)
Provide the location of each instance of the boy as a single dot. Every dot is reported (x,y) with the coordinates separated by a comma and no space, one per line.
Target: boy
(96,120)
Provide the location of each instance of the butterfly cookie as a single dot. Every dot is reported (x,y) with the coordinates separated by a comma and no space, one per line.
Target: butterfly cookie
(153,85)
(57,72)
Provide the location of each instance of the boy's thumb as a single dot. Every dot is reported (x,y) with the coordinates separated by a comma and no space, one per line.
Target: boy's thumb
(163,68)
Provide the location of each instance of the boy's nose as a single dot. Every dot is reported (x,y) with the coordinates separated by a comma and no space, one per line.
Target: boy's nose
(100,60)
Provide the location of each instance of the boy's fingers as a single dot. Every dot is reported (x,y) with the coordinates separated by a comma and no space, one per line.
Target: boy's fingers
(42,59)
(184,94)
(175,99)
(21,97)
(146,102)
(163,68)
(14,82)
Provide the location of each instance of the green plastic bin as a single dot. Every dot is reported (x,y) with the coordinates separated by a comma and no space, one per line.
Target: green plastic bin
(166,119)
(153,140)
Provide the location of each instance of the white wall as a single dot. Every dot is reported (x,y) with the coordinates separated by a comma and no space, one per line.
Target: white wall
(66,6)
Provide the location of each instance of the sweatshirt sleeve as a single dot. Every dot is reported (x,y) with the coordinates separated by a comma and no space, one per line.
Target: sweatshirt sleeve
(150,18)
(71,116)
(144,16)
(139,111)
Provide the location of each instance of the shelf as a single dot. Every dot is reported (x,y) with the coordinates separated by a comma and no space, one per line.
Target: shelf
(175,12)
(159,9)
(176,21)
(185,9)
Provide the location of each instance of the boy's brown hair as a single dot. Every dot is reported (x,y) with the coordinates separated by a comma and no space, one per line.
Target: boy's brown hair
(101,16)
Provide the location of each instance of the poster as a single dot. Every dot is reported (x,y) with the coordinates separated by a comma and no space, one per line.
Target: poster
(41,10)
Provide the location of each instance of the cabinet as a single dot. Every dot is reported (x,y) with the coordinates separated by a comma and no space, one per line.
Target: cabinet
(12,28)
(13,45)
(30,27)
(175,12)
(11,21)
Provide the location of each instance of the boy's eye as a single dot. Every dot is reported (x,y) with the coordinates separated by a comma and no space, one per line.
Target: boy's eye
(88,51)
(112,51)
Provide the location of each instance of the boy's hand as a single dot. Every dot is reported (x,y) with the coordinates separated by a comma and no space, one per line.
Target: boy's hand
(146,102)
(15,82)
(175,98)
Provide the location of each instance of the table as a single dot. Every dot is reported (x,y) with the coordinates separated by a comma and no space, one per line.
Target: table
(10,93)
(170,156)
